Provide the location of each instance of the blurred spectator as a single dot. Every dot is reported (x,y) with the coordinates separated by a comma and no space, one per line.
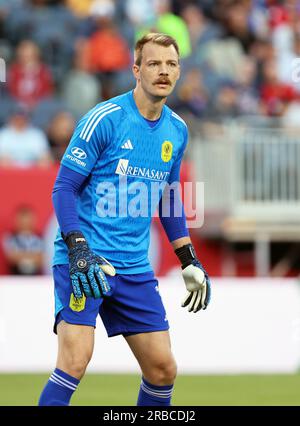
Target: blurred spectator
(80,83)
(280,29)
(237,24)
(107,49)
(140,13)
(258,19)
(59,133)
(80,8)
(169,23)
(51,25)
(284,39)
(21,144)
(23,248)
(275,95)
(224,56)
(287,62)
(29,80)
(225,104)
(46,110)
(262,50)
(248,95)
(6,7)
(192,94)
(201,30)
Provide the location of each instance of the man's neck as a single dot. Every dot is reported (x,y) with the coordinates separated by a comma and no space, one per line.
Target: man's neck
(148,106)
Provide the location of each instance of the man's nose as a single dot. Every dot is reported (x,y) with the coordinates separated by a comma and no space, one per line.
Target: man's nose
(163,70)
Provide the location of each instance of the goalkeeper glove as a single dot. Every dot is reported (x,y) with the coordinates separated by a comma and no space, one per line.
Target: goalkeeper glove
(196,279)
(87,270)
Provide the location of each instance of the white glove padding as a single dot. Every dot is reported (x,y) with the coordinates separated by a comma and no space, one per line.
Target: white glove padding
(196,285)
(107,267)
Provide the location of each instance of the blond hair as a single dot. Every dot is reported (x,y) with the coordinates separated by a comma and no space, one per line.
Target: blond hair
(156,38)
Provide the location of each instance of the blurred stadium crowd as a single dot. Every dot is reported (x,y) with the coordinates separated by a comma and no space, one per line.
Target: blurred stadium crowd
(240,59)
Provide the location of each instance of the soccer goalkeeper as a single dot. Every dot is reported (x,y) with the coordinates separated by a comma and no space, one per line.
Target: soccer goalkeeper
(101,261)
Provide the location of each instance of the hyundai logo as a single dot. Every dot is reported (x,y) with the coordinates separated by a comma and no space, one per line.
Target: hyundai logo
(78,153)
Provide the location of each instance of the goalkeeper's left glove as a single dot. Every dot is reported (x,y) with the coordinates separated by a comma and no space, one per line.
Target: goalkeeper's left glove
(196,279)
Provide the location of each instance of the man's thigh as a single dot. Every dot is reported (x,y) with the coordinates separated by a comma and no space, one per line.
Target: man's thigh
(75,347)
(152,350)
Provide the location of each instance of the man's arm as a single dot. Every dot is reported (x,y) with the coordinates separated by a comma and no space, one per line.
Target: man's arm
(92,133)
(196,279)
(87,270)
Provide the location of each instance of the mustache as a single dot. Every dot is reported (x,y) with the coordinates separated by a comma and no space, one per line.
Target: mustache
(163,81)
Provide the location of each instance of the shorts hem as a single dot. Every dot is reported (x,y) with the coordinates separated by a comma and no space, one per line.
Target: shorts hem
(71,322)
(112,333)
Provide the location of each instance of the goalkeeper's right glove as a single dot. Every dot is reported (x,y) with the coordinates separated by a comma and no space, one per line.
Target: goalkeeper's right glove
(87,270)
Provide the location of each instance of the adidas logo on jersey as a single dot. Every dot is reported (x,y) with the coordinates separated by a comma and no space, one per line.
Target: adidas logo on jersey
(127,145)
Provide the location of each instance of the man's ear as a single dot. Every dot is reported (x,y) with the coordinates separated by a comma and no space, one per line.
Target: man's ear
(136,71)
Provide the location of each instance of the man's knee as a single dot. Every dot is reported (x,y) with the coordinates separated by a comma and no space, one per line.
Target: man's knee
(162,373)
(169,372)
(75,364)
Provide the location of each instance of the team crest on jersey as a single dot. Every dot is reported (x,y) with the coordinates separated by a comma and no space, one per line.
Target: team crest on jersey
(77,305)
(166,151)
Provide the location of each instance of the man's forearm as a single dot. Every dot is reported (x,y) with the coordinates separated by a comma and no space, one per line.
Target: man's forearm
(64,197)
(181,242)
(173,223)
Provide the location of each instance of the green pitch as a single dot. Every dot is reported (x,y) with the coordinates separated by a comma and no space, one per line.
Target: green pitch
(121,389)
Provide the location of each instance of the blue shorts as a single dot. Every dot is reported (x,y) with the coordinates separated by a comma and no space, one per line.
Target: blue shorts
(133,305)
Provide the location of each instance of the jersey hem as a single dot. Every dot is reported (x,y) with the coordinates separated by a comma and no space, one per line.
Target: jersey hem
(119,271)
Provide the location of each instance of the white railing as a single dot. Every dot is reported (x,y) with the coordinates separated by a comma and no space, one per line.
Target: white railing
(253,172)
(251,188)
(268,174)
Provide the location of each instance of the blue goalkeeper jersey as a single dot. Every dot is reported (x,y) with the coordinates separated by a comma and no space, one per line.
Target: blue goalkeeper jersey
(127,164)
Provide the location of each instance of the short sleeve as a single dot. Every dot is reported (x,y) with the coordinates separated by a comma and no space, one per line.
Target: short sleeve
(89,139)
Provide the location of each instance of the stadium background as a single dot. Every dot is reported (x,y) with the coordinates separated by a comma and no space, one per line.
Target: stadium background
(239,94)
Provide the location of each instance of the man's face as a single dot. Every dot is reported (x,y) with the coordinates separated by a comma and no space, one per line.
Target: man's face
(25,220)
(159,70)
